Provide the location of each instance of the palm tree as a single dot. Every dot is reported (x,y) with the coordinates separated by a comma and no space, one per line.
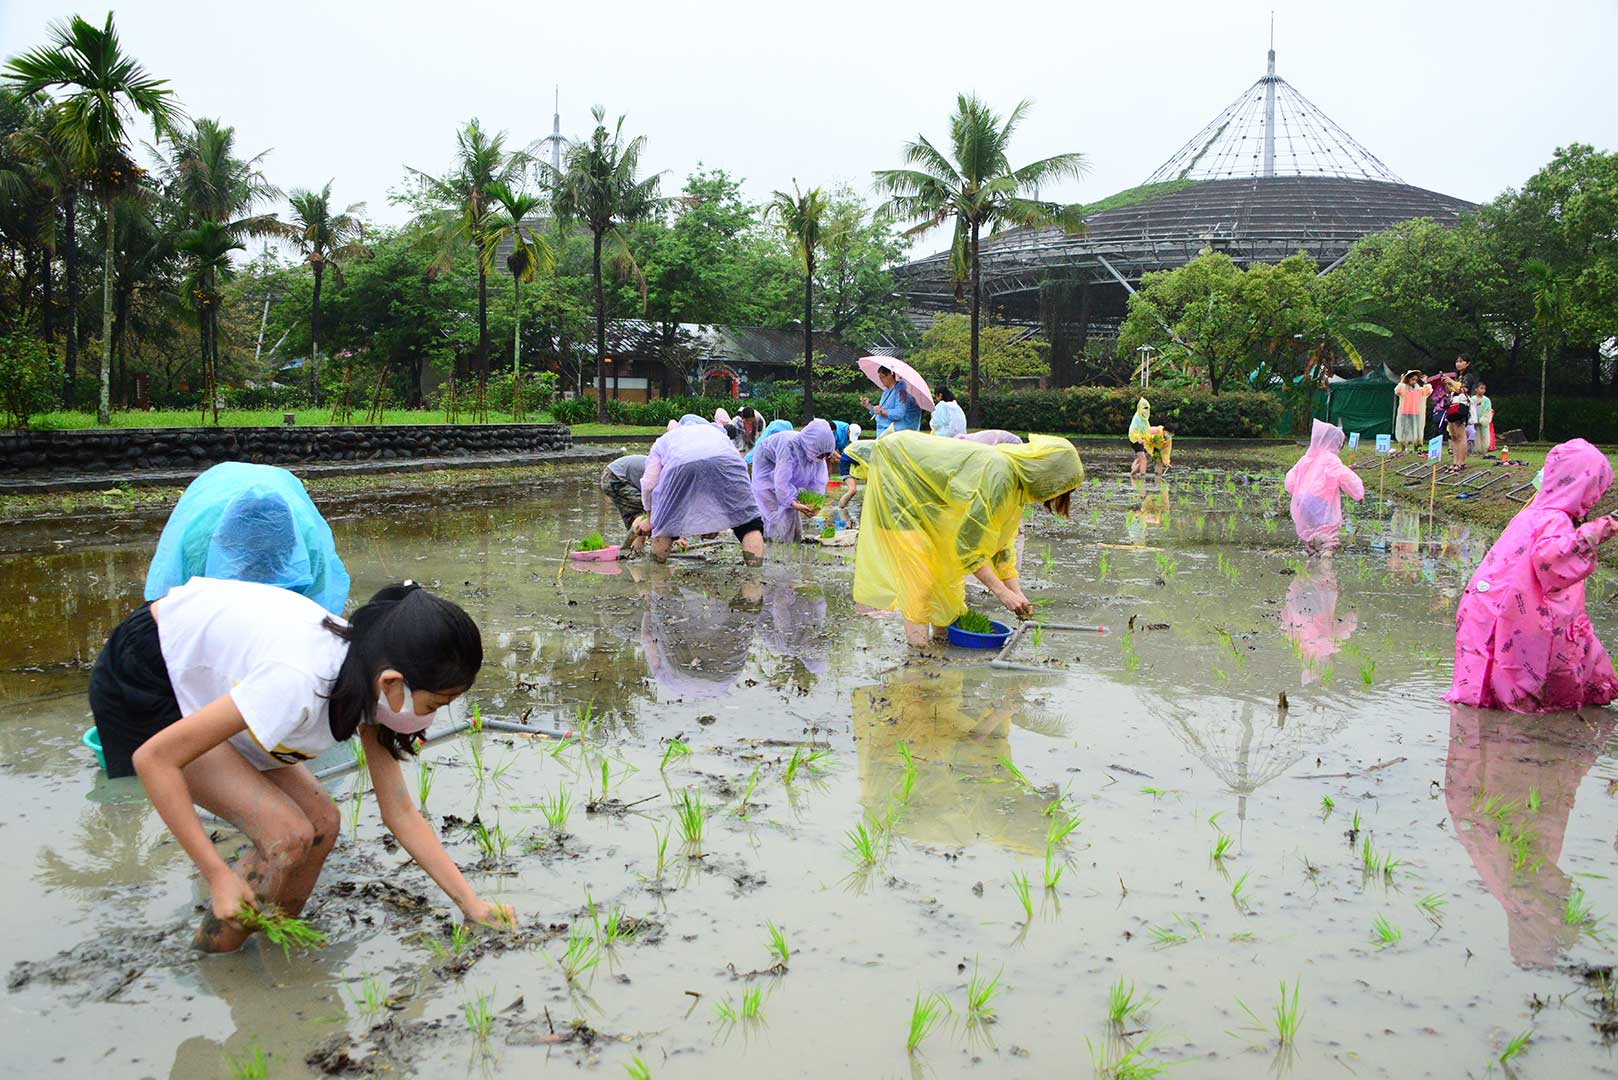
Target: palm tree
(1552,295)
(208,246)
(598,186)
(212,186)
(977,188)
(798,216)
(326,239)
(465,205)
(49,167)
(104,84)
(530,254)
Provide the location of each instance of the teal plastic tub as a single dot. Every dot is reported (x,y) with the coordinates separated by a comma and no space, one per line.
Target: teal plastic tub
(92,739)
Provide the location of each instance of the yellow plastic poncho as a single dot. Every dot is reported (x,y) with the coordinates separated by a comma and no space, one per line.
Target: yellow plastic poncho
(1141,423)
(938,509)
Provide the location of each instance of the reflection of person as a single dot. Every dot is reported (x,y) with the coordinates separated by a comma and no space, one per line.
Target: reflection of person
(249,522)
(937,510)
(992,437)
(1309,618)
(1410,423)
(695,484)
(948,419)
(895,411)
(957,752)
(1496,763)
(790,463)
(1317,484)
(1522,638)
(247,682)
(793,620)
(696,643)
(620,483)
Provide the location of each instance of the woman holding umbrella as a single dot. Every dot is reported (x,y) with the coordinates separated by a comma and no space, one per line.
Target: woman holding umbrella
(904,395)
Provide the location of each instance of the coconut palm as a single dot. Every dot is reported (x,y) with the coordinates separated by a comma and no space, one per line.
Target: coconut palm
(49,168)
(208,247)
(599,186)
(530,254)
(461,220)
(798,216)
(1552,296)
(326,239)
(976,187)
(104,87)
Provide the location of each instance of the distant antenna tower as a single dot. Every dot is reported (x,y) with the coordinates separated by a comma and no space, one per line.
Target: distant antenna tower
(1272,130)
(554,140)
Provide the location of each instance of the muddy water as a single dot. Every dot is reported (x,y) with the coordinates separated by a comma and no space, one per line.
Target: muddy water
(1163,740)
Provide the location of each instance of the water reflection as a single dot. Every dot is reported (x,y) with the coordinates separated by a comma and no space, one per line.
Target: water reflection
(1309,617)
(115,844)
(696,635)
(1500,766)
(793,628)
(961,795)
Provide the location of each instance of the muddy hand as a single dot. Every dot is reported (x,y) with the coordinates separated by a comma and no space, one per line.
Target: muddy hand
(494,916)
(230,894)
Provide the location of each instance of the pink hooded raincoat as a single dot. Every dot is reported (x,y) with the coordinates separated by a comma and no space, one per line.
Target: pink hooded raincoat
(1317,483)
(1522,639)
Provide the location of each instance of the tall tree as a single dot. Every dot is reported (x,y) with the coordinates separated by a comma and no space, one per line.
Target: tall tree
(798,216)
(1553,299)
(104,88)
(530,252)
(326,239)
(49,166)
(976,187)
(462,207)
(600,187)
(208,247)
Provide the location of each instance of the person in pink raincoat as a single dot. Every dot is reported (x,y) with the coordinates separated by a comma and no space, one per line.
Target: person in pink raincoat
(1522,639)
(1310,618)
(1317,484)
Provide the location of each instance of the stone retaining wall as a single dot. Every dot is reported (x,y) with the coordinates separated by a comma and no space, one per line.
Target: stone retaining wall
(125,449)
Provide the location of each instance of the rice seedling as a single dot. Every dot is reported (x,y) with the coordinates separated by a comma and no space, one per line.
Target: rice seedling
(556,810)
(476,719)
(1213,822)
(1221,848)
(808,761)
(1577,911)
(1131,657)
(1354,827)
(1516,1046)
(1019,885)
(1102,567)
(475,746)
(1533,800)
(637,1070)
(1018,777)
(252,1065)
(924,1016)
(494,843)
(1167,566)
(1368,672)
(424,784)
(594,542)
(980,995)
(1045,558)
(974,622)
(1326,807)
(1123,1003)
(675,751)
(358,749)
(1061,825)
(725,1011)
(778,945)
(370,999)
(1385,933)
(747,793)
(479,1016)
(662,841)
(1432,906)
(1095,517)
(864,845)
(1236,889)
(279,929)
(750,1008)
(580,954)
(1037,635)
(1130,1066)
(1285,1019)
(1053,867)
(1154,792)
(691,815)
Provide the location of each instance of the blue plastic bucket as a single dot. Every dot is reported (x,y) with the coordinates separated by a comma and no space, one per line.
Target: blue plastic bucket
(92,739)
(968,640)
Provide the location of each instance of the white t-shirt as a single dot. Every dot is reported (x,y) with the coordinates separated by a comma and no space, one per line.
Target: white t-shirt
(265,647)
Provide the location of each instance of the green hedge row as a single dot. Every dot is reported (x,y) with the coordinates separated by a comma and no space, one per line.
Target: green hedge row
(1595,419)
(1084,410)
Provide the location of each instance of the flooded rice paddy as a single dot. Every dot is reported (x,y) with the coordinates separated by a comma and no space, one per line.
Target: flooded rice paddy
(1256,777)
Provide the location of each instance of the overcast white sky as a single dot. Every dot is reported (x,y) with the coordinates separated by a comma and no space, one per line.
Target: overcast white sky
(1461,97)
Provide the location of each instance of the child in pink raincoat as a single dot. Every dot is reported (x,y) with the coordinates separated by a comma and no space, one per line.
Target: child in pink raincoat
(1317,484)
(1522,639)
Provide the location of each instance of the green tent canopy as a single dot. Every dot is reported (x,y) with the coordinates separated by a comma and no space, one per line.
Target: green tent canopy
(1364,405)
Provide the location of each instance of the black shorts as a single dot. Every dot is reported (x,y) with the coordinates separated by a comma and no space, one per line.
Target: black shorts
(130,693)
(756,525)
(1134,447)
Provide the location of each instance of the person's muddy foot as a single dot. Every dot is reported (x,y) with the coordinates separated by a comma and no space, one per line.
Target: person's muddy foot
(217,936)
(752,560)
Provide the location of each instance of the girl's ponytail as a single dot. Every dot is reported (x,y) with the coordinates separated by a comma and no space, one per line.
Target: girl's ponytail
(427,639)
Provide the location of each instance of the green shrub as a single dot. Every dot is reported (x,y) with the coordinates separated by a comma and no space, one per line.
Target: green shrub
(1107,410)
(1566,418)
(538,392)
(31,378)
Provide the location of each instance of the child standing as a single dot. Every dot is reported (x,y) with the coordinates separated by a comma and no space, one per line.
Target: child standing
(1317,484)
(1457,415)
(217,693)
(1522,638)
(1410,421)
(1483,417)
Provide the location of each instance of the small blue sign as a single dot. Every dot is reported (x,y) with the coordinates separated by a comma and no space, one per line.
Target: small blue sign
(1435,448)
(1353,440)
(1384,444)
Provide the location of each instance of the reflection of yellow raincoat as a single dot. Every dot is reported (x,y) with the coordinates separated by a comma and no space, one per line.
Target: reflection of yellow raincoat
(938,509)
(957,799)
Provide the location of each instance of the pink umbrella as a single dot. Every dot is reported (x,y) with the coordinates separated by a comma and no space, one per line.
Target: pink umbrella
(906,374)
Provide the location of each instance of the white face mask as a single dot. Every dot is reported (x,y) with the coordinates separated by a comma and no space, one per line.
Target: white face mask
(406,722)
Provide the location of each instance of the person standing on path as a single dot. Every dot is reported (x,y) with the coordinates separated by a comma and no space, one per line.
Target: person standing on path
(1410,418)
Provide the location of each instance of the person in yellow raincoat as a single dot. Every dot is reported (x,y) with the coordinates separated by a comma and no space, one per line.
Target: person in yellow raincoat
(1150,443)
(937,510)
